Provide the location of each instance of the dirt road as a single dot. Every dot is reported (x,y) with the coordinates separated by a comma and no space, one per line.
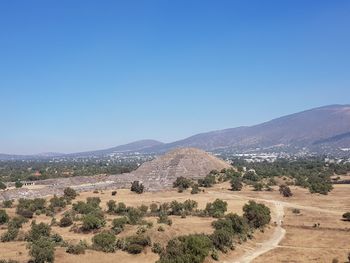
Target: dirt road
(269,244)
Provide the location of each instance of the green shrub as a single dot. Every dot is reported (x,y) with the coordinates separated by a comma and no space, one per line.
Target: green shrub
(258,186)
(182,183)
(104,241)
(188,249)
(346,216)
(7,203)
(92,221)
(57,202)
(69,193)
(118,224)
(195,189)
(66,221)
(2,186)
(42,250)
(134,215)
(164,219)
(285,191)
(111,206)
(17,222)
(4,218)
(137,187)
(207,181)
(258,215)
(233,224)
(18,184)
(37,231)
(236,184)
(222,240)
(77,249)
(217,208)
(157,248)
(9,235)
(135,244)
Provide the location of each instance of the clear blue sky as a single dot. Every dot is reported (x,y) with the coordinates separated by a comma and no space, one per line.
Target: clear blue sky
(84,75)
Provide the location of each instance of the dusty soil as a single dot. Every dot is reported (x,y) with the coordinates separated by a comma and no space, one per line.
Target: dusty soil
(302,242)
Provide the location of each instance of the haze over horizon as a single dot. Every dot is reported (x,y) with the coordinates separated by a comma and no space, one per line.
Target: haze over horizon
(83,75)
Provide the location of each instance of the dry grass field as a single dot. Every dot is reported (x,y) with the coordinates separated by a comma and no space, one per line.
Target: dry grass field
(302,242)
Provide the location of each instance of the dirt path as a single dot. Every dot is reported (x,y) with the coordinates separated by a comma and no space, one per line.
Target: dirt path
(271,243)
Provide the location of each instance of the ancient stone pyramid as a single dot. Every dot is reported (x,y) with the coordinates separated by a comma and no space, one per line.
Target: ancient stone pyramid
(187,162)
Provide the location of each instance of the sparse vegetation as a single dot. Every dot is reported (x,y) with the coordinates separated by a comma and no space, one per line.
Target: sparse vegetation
(137,187)
(285,191)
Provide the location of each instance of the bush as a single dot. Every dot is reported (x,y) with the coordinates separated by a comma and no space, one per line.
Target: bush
(114,193)
(217,208)
(104,241)
(92,221)
(121,208)
(233,224)
(111,206)
(2,186)
(164,219)
(135,244)
(182,183)
(76,249)
(153,208)
(285,191)
(157,248)
(195,189)
(7,203)
(190,249)
(18,184)
(37,231)
(42,250)
(258,186)
(69,193)
(17,222)
(57,202)
(25,213)
(222,240)
(207,181)
(10,235)
(118,224)
(346,216)
(134,215)
(236,183)
(66,221)
(36,205)
(251,176)
(137,187)
(4,218)
(258,215)
(134,249)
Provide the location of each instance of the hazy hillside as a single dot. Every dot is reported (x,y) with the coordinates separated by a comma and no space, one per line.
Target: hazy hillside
(311,128)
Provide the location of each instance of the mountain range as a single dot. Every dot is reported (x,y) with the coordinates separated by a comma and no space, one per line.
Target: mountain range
(323,130)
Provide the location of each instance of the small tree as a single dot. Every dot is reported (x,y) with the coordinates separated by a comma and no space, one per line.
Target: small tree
(92,221)
(38,230)
(104,241)
(18,184)
(137,187)
(42,250)
(182,183)
(236,183)
(195,189)
(66,221)
(346,216)
(70,193)
(258,215)
(4,218)
(217,208)
(258,186)
(2,186)
(285,191)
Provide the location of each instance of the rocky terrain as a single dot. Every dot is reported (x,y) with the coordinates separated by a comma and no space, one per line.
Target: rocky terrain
(155,175)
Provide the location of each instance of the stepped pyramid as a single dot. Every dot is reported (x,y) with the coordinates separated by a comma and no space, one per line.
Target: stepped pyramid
(187,162)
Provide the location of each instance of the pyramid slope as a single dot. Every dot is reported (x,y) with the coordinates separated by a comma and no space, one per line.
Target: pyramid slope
(187,162)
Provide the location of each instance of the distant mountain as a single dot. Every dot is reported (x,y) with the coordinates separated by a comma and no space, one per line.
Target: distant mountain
(137,146)
(324,130)
(314,130)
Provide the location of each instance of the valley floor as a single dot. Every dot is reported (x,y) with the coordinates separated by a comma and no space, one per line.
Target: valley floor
(290,237)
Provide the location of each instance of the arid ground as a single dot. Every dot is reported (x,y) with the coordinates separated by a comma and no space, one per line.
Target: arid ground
(316,234)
